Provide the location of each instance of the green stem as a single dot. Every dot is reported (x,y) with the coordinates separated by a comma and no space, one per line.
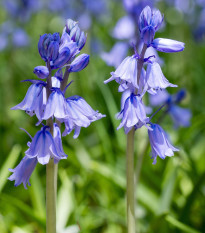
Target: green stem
(130,183)
(51,187)
(51,175)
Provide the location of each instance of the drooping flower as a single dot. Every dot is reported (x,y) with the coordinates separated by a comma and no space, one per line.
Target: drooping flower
(159,143)
(56,105)
(80,114)
(132,112)
(23,171)
(43,146)
(126,72)
(34,101)
(155,78)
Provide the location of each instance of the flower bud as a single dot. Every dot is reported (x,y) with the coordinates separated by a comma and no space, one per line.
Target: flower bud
(48,46)
(41,72)
(167,45)
(70,24)
(79,63)
(62,59)
(147,35)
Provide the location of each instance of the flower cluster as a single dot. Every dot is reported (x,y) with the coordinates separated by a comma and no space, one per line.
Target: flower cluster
(46,100)
(134,81)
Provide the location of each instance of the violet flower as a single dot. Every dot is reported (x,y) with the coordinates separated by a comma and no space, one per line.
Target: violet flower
(34,101)
(80,114)
(132,112)
(159,143)
(56,105)
(43,146)
(23,171)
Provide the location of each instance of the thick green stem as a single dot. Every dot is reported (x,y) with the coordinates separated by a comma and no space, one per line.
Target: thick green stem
(51,187)
(130,183)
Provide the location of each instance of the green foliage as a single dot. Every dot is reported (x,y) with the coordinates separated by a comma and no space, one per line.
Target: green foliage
(92,182)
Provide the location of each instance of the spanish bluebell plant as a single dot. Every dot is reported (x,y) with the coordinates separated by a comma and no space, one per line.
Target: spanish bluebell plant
(46,99)
(137,75)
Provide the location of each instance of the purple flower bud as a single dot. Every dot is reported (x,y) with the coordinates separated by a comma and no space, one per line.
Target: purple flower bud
(159,143)
(79,63)
(23,171)
(70,24)
(43,147)
(145,18)
(82,40)
(147,35)
(48,46)
(167,45)
(150,18)
(63,58)
(75,34)
(155,78)
(41,72)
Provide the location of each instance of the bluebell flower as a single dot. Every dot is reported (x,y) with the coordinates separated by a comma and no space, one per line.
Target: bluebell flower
(34,101)
(160,98)
(167,45)
(80,114)
(159,143)
(56,105)
(79,63)
(23,171)
(133,111)
(43,146)
(126,71)
(149,22)
(155,78)
(116,54)
(41,72)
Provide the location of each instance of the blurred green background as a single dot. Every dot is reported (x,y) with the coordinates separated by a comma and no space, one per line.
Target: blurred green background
(92,182)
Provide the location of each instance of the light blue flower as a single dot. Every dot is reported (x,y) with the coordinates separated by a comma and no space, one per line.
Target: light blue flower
(159,143)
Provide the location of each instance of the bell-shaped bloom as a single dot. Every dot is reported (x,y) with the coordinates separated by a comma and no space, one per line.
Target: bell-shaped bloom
(41,72)
(56,105)
(43,146)
(80,114)
(124,29)
(116,54)
(159,143)
(126,72)
(167,45)
(155,78)
(149,22)
(132,112)
(79,63)
(58,143)
(34,101)
(180,116)
(23,171)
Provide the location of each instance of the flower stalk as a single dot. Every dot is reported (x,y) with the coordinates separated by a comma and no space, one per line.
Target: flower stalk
(130,183)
